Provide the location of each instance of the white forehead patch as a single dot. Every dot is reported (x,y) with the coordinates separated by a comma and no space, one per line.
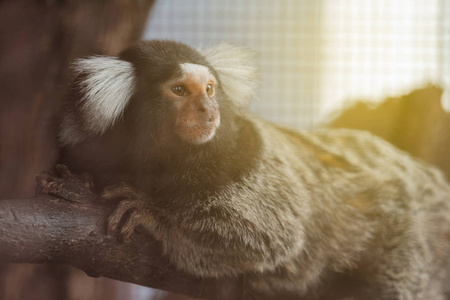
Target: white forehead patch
(199,72)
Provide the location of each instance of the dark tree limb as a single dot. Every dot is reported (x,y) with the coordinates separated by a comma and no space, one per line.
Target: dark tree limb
(73,231)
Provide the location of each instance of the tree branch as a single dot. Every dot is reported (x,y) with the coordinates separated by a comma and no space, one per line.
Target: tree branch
(46,229)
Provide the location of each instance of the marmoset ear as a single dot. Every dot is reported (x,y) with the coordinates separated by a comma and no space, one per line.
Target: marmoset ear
(104,86)
(236,69)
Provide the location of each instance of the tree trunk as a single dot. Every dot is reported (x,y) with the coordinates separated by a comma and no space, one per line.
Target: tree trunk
(38,40)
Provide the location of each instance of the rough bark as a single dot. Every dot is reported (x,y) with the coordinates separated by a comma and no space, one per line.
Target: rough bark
(45,229)
(66,224)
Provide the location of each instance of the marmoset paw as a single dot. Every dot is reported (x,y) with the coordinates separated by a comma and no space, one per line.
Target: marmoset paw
(122,191)
(64,184)
(130,212)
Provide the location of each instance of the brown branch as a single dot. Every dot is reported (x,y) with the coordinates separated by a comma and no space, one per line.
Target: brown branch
(46,229)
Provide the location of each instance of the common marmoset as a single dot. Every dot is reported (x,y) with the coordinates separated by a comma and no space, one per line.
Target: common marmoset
(165,127)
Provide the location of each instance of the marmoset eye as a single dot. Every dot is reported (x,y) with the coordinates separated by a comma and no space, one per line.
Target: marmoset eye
(210,89)
(179,90)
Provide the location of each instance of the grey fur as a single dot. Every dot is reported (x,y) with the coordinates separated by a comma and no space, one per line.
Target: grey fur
(318,202)
(314,205)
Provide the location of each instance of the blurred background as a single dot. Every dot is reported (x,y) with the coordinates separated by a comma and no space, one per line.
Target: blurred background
(317,57)
(378,65)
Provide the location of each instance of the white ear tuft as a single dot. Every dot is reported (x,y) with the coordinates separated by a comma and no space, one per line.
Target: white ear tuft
(236,69)
(106,85)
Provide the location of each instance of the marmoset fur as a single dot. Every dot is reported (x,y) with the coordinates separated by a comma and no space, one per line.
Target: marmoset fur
(165,128)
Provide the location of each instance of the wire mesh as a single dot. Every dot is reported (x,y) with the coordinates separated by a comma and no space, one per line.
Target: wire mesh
(317,57)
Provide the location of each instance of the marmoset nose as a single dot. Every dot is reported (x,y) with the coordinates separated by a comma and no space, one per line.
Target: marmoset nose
(203,105)
(201,108)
